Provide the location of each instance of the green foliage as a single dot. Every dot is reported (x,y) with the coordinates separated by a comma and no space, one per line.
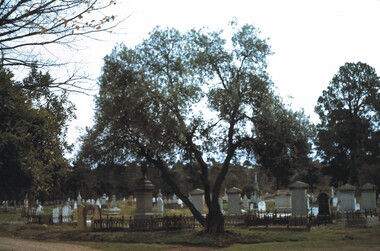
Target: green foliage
(348,133)
(33,133)
(283,140)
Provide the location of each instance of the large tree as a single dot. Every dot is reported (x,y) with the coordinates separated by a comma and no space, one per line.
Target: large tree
(29,27)
(188,98)
(33,136)
(283,141)
(349,121)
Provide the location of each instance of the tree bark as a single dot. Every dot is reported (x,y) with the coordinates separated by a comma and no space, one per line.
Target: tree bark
(214,220)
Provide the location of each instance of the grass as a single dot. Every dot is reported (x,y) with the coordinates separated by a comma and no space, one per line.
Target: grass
(330,237)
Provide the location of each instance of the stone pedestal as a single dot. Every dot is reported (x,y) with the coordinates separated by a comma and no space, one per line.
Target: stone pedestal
(299,198)
(368,197)
(234,199)
(197,198)
(143,195)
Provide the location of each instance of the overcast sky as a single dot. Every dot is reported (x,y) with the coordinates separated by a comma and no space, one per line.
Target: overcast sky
(310,39)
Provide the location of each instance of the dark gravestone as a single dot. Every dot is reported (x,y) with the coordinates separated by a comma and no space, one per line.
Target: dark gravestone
(324,204)
(324,213)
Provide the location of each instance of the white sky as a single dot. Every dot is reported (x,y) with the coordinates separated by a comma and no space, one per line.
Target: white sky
(310,39)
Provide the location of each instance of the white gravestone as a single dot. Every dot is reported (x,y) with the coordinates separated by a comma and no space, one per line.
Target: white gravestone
(220,200)
(160,204)
(66,213)
(55,215)
(40,210)
(79,199)
(245,203)
(261,206)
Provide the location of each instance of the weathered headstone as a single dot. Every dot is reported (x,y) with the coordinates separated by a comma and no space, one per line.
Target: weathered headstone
(197,198)
(67,213)
(143,194)
(55,215)
(368,197)
(82,215)
(346,198)
(299,198)
(234,200)
(283,201)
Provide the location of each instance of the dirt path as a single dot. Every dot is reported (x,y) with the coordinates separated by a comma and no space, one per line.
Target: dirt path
(8,244)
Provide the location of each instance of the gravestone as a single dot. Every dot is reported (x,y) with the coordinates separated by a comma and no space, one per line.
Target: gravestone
(245,203)
(220,201)
(346,198)
(26,204)
(97,203)
(233,198)
(40,210)
(261,206)
(175,200)
(103,201)
(55,215)
(97,213)
(79,199)
(75,206)
(197,198)
(324,204)
(160,204)
(299,198)
(283,201)
(66,213)
(254,198)
(180,203)
(368,197)
(144,194)
(82,215)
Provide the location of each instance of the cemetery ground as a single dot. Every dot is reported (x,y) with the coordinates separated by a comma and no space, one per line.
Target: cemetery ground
(326,237)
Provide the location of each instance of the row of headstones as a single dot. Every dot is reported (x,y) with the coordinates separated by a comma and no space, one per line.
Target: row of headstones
(233,199)
(297,201)
(65,213)
(346,200)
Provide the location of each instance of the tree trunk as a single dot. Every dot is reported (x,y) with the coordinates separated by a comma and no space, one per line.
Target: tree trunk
(214,220)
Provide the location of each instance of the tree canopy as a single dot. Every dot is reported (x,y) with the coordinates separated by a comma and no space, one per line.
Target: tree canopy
(33,129)
(183,97)
(348,132)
